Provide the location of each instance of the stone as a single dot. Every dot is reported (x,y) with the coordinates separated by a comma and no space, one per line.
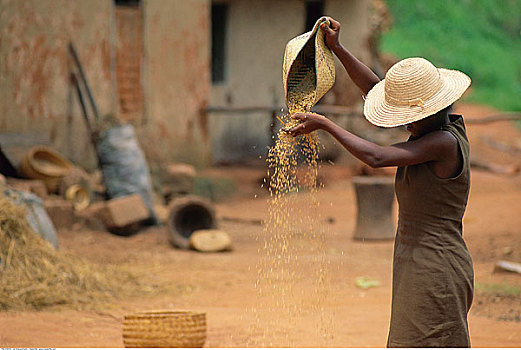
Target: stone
(507,266)
(210,240)
(181,169)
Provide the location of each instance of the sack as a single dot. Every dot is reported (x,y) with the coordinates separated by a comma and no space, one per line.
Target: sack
(124,167)
(35,214)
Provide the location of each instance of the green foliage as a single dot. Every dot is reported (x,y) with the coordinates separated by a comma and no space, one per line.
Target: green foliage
(479,37)
(214,188)
(503,289)
(365,282)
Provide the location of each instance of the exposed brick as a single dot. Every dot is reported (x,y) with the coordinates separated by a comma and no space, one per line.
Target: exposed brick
(60,211)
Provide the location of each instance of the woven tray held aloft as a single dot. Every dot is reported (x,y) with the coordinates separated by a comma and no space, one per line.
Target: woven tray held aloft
(308,70)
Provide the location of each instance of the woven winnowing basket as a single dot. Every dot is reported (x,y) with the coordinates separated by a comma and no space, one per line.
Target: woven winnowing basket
(308,66)
(164,329)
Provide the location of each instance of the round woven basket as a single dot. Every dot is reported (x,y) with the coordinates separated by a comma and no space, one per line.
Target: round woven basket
(164,329)
(43,163)
(78,196)
(75,187)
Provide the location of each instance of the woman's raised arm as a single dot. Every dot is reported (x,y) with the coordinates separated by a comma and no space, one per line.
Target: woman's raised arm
(359,73)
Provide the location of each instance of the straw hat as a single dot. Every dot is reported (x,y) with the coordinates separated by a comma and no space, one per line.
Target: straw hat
(413,89)
(305,54)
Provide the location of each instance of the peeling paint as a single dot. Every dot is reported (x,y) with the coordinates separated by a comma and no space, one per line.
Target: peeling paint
(177,72)
(35,89)
(35,66)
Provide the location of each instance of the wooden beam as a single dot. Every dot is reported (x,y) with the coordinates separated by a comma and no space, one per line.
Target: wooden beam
(495,118)
(321,109)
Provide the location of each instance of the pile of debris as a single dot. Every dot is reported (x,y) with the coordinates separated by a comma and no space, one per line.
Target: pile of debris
(33,274)
(70,196)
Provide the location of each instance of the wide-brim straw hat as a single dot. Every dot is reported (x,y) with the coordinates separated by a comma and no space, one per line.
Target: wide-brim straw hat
(305,53)
(413,89)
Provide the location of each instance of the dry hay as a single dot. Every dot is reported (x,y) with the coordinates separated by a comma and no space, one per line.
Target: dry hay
(34,275)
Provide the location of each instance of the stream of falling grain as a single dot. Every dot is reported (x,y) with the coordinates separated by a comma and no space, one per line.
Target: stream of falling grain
(293,280)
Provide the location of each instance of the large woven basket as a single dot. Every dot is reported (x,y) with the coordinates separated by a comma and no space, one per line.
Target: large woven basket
(164,329)
(308,64)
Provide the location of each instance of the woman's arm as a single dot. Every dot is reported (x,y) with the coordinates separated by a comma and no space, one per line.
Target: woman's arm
(361,75)
(434,146)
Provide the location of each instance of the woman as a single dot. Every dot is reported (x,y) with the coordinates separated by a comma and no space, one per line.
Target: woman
(432,269)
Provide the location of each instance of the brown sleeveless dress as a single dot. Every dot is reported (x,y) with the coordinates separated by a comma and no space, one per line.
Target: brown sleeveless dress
(433,278)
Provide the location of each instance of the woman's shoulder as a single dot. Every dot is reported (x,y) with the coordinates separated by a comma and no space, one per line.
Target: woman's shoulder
(456,126)
(456,120)
(442,138)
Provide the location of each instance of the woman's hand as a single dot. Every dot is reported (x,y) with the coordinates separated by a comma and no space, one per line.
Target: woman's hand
(332,33)
(309,122)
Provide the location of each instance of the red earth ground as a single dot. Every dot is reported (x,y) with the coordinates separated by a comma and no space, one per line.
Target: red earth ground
(338,313)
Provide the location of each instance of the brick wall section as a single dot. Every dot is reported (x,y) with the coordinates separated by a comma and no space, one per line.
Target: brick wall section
(129,61)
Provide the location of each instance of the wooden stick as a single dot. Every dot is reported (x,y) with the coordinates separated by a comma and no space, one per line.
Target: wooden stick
(322,109)
(495,118)
(83,77)
(242,220)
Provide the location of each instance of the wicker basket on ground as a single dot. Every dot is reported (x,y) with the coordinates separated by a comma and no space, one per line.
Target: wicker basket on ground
(164,329)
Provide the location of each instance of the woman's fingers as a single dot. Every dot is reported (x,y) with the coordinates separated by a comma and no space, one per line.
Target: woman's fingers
(299,116)
(296,130)
(306,116)
(335,25)
(327,29)
(309,122)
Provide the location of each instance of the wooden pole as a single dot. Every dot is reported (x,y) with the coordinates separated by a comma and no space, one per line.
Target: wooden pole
(495,118)
(83,78)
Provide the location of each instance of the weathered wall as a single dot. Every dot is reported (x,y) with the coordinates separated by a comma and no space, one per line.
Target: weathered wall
(257,35)
(354,16)
(35,93)
(177,81)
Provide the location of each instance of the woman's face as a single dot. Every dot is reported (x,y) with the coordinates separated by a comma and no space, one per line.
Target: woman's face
(426,125)
(419,128)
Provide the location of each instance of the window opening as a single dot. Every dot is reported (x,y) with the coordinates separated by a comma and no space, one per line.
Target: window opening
(219,21)
(314,10)
(127,2)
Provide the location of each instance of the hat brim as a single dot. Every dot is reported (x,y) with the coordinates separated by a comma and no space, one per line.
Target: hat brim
(381,113)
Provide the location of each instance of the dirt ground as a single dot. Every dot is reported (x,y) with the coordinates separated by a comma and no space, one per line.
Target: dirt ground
(337,313)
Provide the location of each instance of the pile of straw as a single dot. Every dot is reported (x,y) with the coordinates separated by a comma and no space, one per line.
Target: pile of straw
(34,275)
